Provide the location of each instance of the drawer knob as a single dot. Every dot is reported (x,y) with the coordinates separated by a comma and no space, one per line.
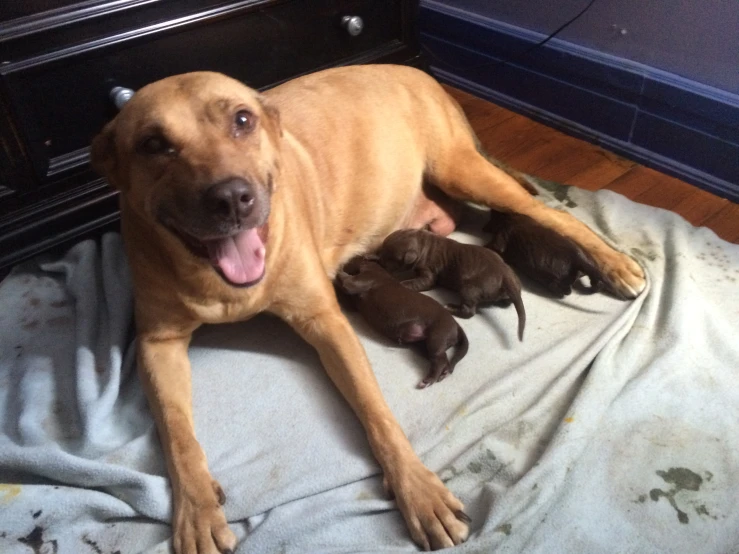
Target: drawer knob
(353,24)
(120,95)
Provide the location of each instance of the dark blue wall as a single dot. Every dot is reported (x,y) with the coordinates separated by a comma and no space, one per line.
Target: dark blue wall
(695,39)
(661,119)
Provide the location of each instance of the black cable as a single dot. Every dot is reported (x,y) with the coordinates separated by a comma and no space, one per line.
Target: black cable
(520,55)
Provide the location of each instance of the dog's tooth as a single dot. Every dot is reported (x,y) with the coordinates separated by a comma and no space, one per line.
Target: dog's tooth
(261,252)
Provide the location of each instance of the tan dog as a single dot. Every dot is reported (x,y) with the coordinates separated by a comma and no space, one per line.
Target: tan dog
(234,203)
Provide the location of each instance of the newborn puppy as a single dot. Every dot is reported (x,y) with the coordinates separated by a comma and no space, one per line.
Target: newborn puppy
(476,273)
(405,316)
(543,255)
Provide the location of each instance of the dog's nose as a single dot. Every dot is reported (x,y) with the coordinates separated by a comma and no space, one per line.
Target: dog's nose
(231,199)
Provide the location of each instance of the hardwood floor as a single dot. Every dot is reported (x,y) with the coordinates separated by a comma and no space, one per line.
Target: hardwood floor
(542,151)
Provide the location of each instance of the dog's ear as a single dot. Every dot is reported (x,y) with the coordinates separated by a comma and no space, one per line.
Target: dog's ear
(103,157)
(273,117)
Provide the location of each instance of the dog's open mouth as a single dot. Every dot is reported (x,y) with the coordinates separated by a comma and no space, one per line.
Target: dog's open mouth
(239,258)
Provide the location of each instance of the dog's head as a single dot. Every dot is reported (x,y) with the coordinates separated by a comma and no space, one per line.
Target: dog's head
(401,249)
(197,155)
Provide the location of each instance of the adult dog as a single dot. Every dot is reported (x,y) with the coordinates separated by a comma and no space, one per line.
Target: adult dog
(235,203)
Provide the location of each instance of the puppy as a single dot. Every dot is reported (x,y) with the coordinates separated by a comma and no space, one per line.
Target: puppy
(543,255)
(406,316)
(477,274)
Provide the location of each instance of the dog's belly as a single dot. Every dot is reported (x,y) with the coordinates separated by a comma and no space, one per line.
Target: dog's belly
(355,239)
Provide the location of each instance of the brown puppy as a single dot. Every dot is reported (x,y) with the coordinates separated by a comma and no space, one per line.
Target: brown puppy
(406,316)
(478,275)
(546,257)
(235,203)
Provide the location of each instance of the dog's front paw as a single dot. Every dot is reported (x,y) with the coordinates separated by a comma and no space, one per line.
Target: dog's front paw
(435,518)
(621,274)
(199,525)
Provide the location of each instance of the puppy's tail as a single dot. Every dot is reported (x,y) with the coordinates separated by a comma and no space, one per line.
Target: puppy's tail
(513,288)
(463,344)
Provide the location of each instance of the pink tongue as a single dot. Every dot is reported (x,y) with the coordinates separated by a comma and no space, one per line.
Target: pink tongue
(240,257)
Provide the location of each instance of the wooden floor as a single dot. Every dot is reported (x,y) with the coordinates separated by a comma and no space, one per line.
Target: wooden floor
(539,150)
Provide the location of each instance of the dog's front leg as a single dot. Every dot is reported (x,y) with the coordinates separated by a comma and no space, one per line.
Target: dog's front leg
(425,279)
(432,513)
(199,524)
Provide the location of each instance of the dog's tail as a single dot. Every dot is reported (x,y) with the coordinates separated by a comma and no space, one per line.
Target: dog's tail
(513,288)
(463,344)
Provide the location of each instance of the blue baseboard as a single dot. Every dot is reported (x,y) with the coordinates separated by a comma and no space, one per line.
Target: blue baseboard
(675,125)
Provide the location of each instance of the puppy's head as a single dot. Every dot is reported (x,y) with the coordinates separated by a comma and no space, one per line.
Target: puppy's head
(401,249)
(196,156)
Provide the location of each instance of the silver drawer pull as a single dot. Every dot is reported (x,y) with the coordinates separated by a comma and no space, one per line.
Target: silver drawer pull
(120,95)
(353,24)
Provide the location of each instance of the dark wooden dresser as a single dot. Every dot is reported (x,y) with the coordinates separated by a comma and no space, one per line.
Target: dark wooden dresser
(60,59)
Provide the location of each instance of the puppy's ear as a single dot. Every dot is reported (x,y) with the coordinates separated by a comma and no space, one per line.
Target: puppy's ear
(103,157)
(410,257)
(273,117)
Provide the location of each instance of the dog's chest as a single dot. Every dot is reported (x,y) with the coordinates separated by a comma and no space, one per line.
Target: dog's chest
(223,310)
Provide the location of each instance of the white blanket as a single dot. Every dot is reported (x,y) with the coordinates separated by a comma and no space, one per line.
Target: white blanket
(613,428)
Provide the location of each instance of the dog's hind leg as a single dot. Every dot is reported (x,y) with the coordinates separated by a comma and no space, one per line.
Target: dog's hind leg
(471,296)
(438,370)
(441,337)
(463,310)
(463,173)
(425,280)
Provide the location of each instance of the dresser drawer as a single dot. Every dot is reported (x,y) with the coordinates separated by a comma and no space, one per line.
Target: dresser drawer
(62,97)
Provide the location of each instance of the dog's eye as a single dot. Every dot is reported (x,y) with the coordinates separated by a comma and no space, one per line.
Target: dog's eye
(156,145)
(244,122)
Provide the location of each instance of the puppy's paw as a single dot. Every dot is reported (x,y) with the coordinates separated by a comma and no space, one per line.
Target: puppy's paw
(463,311)
(199,525)
(621,274)
(435,518)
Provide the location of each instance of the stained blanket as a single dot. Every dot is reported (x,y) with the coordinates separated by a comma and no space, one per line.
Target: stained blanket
(612,428)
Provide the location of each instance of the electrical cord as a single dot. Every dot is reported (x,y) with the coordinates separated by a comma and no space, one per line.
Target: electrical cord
(520,55)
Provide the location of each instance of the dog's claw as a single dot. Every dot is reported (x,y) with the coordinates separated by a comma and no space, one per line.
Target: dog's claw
(622,275)
(461,516)
(219,493)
